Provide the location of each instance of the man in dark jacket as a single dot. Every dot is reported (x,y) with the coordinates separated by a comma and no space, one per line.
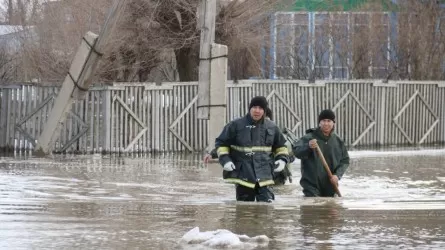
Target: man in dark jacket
(251,149)
(214,155)
(314,178)
(280,178)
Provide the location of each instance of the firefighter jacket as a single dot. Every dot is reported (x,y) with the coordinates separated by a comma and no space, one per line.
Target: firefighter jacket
(253,147)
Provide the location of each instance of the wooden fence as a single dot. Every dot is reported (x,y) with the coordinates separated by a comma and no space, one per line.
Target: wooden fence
(145,117)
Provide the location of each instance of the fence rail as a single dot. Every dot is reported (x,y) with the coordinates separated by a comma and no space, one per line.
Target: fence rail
(147,117)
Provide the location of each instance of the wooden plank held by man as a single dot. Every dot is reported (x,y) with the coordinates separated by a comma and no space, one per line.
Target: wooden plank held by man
(326,167)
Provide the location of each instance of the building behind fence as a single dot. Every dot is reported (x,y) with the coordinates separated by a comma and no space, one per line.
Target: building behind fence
(162,118)
(350,45)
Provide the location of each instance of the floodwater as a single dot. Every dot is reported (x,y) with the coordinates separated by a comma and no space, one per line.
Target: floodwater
(391,200)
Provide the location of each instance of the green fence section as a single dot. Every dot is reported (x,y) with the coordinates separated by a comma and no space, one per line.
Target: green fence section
(340,5)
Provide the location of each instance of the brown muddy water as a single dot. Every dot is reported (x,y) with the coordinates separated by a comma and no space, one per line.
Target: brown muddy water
(392,200)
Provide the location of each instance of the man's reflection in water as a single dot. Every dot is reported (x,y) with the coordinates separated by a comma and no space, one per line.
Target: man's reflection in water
(319,223)
(251,219)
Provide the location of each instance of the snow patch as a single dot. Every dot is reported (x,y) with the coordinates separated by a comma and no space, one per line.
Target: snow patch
(222,238)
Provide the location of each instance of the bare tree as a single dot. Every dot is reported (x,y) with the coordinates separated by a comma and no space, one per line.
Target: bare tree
(20,12)
(8,66)
(421,40)
(160,39)
(147,31)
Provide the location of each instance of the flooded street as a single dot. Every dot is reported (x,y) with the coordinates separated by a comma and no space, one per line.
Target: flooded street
(391,200)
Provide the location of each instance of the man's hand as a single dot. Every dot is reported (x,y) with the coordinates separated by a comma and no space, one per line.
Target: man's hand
(207,158)
(229,166)
(313,143)
(280,164)
(334,180)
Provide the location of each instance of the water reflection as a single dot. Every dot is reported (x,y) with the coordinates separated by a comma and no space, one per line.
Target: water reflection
(252,219)
(319,224)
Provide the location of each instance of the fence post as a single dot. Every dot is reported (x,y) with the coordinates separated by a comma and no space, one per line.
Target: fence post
(106,129)
(312,112)
(382,121)
(3,117)
(441,87)
(9,143)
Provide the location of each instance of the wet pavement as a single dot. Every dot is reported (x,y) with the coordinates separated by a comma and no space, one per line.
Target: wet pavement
(392,200)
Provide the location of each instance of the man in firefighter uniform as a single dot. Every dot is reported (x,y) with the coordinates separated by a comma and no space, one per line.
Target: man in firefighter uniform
(251,149)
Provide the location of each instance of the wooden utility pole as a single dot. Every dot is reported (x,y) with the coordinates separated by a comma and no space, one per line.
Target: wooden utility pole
(78,80)
(207,15)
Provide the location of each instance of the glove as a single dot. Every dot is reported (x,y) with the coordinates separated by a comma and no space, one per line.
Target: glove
(280,164)
(229,166)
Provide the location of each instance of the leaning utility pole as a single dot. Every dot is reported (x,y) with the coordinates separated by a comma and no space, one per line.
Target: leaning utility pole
(212,73)
(78,80)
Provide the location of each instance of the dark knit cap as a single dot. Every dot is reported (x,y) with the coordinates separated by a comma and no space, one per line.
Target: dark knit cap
(326,114)
(260,101)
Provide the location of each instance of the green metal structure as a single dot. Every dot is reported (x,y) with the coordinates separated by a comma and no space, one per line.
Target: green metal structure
(340,5)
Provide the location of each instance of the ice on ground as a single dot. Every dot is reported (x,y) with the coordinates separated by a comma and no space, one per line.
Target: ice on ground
(365,153)
(222,238)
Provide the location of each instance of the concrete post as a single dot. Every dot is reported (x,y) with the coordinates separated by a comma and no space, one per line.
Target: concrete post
(207,18)
(64,100)
(218,80)
(78,80)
